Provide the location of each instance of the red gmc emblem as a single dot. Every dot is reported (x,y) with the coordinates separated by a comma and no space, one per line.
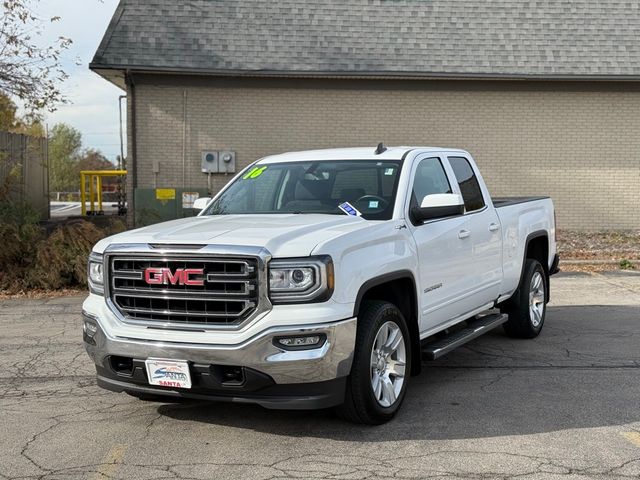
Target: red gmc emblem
(164,276)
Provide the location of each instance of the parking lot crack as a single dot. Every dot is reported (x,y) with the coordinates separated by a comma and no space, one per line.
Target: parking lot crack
(498,377)
(24,450)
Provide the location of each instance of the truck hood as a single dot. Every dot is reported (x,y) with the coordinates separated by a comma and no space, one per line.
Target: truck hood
(288,235)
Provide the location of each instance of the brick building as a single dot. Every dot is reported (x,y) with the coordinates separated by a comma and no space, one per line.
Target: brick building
(545,94)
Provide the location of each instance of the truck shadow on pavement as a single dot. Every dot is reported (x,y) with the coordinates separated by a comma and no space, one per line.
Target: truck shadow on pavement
(581,372)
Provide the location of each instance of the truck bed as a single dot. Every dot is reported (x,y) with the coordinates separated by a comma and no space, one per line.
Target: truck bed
(507,201)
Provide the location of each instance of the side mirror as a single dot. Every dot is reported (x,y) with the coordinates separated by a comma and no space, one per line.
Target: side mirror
(201,203)
(438,205)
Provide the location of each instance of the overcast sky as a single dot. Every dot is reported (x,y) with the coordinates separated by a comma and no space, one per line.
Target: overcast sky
(94,101)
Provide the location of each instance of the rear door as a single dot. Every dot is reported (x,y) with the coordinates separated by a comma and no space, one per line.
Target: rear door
(483,231)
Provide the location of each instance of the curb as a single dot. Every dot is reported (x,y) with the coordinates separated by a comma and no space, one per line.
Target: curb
(595,262)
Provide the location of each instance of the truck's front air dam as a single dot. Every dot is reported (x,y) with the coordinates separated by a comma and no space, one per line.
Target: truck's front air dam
(297,396)
(329,361)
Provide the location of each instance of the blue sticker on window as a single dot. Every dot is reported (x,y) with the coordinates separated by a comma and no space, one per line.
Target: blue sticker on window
(349,209)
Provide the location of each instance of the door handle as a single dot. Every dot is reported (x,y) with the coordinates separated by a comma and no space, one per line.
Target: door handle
(464,234)
(493,227)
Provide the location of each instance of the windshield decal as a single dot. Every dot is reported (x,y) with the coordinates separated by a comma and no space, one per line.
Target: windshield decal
(254,173)
(349,209)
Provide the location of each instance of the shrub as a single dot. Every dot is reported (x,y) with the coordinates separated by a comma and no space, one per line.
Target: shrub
(19,236)
(626,264)
(61,258)
(31,259)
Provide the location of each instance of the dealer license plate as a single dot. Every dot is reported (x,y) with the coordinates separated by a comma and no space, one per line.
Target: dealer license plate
(167,373)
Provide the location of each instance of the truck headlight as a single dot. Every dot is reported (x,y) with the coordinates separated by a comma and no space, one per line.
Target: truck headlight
(95,274)
(301,280)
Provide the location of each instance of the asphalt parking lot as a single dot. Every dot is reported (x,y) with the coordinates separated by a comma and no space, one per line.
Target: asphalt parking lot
(563,406)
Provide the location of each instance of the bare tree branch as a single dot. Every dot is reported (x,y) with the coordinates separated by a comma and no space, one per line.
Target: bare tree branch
(28,71)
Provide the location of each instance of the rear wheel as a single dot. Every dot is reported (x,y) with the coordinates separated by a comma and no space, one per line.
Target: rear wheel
(527,308)
(381,365)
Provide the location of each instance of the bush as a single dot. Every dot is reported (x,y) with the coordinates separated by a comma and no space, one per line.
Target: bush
(19,236)
(32,259)
(61,258)
(626,265)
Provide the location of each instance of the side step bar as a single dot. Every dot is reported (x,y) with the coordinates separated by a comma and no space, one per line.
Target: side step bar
(480,326)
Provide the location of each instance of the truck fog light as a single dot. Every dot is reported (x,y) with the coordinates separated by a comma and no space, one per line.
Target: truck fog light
(302,342)
(90,328)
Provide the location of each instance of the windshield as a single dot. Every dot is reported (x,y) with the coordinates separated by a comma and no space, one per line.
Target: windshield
(331,187)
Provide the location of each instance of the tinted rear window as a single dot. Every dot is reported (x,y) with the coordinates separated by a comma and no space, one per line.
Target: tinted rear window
(468,182)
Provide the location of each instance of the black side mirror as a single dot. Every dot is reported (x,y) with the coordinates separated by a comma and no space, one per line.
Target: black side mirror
(420,214)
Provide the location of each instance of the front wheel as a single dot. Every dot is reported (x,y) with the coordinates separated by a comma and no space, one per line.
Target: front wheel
(381,365)
(527,308)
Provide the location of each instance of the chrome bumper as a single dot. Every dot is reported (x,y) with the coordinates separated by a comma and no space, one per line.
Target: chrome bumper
(330,361)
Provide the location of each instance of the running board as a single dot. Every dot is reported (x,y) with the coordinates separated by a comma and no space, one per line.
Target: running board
(482,325)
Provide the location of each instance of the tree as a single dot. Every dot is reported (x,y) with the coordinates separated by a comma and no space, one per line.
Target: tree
(11,122)
(64,151)
(29,71)
(67,159)
(93,159)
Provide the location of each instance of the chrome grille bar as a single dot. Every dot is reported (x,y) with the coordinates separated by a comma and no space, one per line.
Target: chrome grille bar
(228,292)
(188,314)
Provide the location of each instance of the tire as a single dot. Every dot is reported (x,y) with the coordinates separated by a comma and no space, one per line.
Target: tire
(378,321)
(527,308)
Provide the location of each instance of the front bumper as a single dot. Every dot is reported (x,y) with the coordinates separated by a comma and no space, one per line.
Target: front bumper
(272,377)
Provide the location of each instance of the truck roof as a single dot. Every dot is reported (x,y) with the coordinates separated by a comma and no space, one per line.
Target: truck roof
(359,153)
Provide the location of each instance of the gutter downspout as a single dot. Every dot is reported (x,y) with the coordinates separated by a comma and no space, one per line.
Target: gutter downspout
(132,164)
(184,139)
(122,164)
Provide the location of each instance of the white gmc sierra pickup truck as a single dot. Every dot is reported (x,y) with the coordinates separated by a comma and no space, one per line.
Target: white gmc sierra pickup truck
(319,279)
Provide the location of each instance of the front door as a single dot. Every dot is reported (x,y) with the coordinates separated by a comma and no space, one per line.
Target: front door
(444,251)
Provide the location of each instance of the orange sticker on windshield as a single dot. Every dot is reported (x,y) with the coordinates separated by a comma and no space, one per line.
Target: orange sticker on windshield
(254,173)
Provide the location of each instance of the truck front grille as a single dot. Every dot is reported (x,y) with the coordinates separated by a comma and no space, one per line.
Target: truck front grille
(210,291)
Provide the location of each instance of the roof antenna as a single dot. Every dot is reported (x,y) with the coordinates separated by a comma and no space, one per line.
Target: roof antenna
(380,149)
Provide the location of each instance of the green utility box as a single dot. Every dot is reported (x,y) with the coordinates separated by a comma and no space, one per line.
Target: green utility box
(155,205)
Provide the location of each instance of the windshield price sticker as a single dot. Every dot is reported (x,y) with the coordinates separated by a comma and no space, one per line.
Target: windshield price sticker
(254,173)
(349,209)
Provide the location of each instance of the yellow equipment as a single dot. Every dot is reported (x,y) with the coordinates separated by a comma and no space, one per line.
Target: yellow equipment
(95,187)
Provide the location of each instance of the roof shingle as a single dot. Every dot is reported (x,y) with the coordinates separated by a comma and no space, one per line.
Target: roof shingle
(387,37)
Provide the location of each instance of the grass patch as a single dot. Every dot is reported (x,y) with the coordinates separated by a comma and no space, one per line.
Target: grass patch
(626,265)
